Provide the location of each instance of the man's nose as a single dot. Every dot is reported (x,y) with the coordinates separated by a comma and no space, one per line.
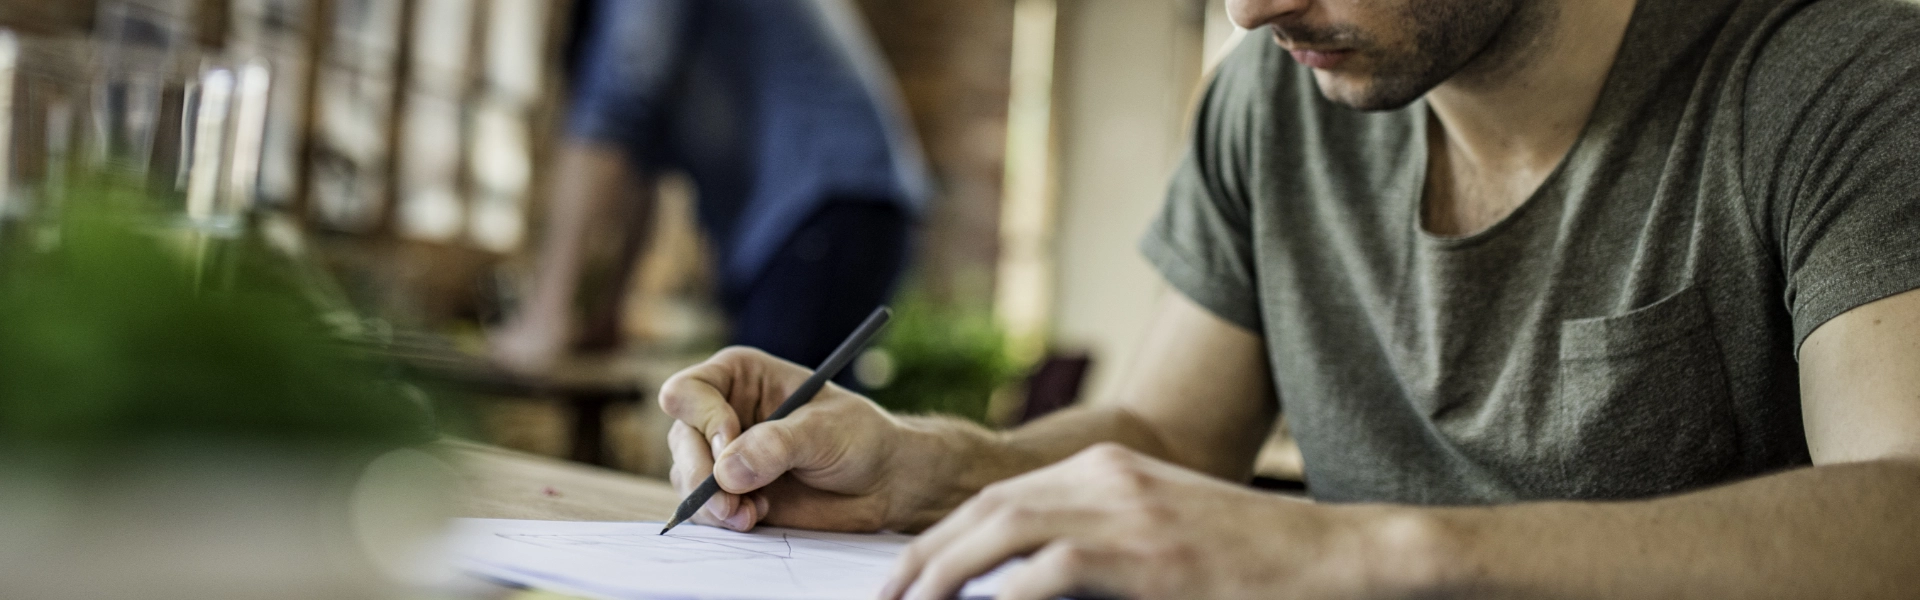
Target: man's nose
(1253,14)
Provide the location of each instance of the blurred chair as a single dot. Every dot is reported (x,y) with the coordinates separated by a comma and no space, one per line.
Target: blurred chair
(1055,385)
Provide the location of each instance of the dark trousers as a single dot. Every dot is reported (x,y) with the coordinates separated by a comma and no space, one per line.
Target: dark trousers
(845,261)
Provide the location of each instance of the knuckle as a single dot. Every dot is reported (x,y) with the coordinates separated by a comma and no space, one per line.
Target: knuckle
(1119,468)
(943,571)
(672,400)
(737,355)
(680,399)
(682,468)
(913,555)
(1017,517)
(1070,557)
(777,440)
(1156,512)
(683,443)
(1108,457)
(993,496)
(1113,479)
(681,431)
(1108,451)
(1009,523)
(936,571)
(1134,483)
(1161,552)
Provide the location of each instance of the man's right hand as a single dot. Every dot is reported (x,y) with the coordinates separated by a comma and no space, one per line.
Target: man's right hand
(841,463)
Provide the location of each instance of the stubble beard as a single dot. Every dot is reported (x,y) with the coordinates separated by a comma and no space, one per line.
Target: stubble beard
(1477,40)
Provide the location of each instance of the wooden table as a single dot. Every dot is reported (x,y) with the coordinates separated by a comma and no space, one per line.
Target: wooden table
(507,484)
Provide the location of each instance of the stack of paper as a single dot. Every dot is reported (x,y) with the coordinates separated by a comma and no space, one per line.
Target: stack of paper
(633,561)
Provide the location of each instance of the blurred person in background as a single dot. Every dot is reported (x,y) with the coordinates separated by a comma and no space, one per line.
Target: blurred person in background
(809,179)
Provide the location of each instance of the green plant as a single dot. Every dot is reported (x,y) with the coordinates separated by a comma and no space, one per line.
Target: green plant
(112,339)
(945,360)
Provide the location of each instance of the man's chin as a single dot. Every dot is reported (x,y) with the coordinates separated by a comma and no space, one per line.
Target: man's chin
(1363,93)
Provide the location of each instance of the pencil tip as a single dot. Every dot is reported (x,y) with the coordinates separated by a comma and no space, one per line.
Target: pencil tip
(669,527)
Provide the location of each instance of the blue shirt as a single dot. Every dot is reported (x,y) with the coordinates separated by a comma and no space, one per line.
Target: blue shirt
(773,107)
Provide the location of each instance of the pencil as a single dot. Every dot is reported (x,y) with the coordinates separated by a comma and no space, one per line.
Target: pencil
(800,397)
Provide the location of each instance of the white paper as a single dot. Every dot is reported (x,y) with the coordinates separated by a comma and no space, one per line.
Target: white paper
(633,561)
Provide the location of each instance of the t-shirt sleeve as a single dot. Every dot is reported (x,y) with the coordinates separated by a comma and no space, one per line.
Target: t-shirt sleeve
(1202,241)
(1840,164)
(628,59)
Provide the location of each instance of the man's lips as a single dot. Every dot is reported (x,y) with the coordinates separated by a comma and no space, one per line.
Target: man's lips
(1321,59)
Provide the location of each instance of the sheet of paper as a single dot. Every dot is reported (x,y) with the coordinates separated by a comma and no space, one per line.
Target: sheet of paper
(622,561)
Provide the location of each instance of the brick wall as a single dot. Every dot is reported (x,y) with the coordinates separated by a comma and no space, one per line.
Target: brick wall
(952,58)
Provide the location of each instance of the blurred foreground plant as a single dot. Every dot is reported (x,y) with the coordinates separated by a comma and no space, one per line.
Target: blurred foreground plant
(112,338)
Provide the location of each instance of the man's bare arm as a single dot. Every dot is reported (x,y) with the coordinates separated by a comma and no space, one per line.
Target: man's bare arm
(589,178)
(1198,395)
(1846,528)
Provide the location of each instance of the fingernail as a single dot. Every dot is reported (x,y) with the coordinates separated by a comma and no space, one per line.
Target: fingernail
(740,521)
(760,506)
(719,443)
(737,470)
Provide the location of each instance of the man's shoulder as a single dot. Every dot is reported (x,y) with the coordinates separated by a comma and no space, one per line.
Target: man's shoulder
(1821,42)
(1823,67)
(1827,106)
(1845,20)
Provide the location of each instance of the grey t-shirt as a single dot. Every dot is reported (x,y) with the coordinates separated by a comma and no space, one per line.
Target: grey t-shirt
(1751,170)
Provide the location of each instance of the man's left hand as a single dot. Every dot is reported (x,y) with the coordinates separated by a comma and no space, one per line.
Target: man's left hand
(1111,522)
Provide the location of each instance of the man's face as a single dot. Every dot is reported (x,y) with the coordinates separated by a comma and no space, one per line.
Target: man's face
(1380,54)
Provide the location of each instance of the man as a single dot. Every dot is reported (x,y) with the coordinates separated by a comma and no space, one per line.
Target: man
(809,179)
(1498,261)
